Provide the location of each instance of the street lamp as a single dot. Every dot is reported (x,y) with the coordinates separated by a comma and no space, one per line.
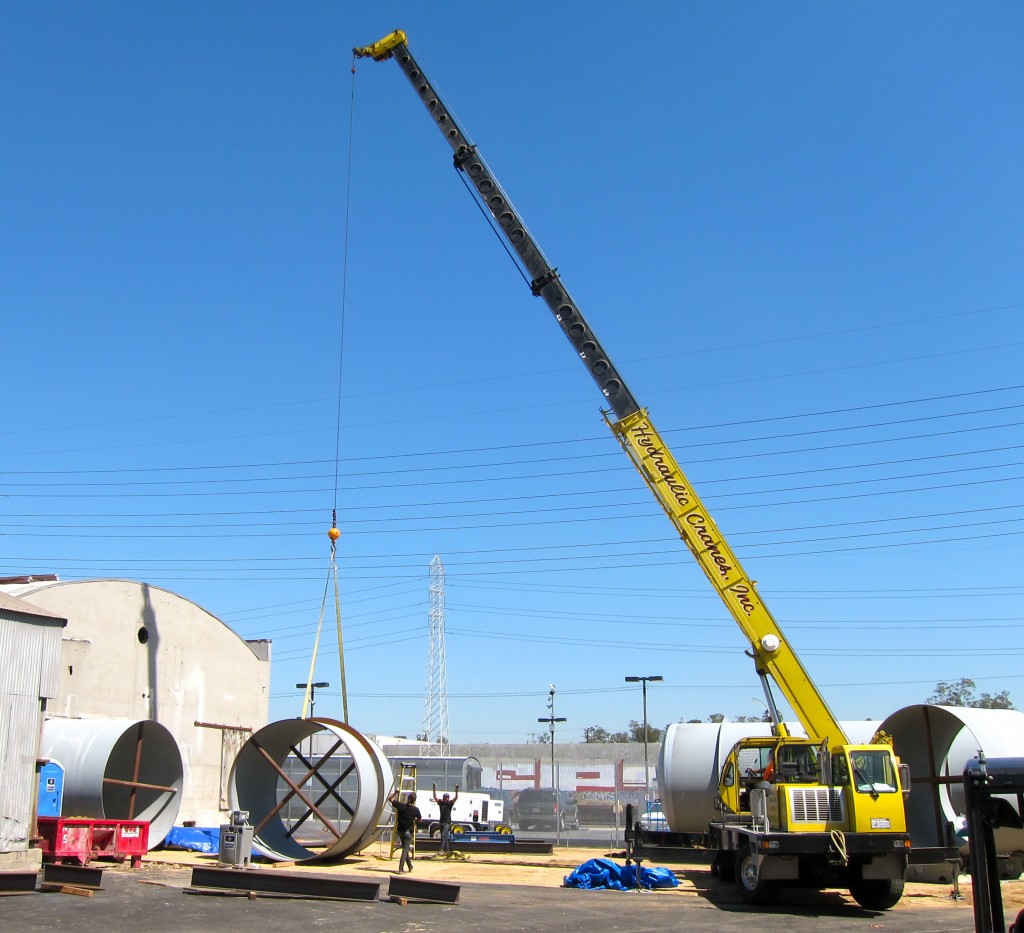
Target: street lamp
(551,719)
(319,685)
(652,678)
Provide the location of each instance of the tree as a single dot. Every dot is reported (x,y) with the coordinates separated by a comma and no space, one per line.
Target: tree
(961,693)
(596,734)
(636,732)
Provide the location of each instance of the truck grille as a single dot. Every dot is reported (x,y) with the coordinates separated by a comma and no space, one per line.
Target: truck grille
(816,804)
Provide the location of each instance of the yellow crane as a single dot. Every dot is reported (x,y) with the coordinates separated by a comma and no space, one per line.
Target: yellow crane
(809,811)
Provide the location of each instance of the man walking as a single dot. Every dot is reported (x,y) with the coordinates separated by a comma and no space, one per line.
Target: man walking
(407,815)
(444,808)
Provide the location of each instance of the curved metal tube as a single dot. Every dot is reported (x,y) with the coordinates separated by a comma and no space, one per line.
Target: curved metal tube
(691,760)
(118,769)
(941,740)
(354,775)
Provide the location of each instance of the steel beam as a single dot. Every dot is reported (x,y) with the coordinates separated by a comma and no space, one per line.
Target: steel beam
(18,882)
(282,882)
(440,892)
(82,876)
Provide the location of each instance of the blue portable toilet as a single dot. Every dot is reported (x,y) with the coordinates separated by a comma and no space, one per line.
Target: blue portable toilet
(51,789)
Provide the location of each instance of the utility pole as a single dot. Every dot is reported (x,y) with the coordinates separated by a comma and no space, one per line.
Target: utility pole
(551,719)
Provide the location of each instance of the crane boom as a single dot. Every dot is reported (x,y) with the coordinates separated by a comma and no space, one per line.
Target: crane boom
(631,425)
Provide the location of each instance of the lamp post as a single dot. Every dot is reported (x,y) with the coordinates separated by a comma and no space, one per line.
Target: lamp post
(319,685)
(322,685)
(645,680)
(551,719)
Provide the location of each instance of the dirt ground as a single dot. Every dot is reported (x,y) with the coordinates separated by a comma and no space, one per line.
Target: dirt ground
(538,871)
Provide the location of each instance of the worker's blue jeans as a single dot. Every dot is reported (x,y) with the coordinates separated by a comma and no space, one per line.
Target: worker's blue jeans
(446,837)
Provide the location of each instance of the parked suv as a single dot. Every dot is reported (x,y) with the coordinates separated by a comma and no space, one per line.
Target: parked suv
(541,808)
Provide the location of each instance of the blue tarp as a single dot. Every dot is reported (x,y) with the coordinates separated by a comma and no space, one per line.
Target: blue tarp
(604,873)
(196,838)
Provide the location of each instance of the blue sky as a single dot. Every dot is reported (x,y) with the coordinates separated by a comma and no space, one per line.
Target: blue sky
(797,228)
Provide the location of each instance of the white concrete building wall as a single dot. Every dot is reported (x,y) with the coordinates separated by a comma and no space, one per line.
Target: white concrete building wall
(135,651)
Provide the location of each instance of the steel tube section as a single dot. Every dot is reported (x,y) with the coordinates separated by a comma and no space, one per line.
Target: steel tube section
(692,755)
(955,735)
(118,769)
(691,759)
(256,786)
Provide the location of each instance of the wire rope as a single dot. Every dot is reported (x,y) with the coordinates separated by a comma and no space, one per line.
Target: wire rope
(334,533)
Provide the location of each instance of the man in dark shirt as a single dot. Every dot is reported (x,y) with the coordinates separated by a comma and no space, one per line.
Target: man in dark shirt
(407,815)
(444,808)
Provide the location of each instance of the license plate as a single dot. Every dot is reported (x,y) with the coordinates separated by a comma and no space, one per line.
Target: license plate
(880,823)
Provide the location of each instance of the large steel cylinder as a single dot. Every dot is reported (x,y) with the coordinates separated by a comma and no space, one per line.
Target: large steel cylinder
(938,741)
(692,756)
(118,769)
(344,789)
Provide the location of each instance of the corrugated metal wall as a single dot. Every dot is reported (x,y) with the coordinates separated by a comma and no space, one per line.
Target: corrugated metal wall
(29,655)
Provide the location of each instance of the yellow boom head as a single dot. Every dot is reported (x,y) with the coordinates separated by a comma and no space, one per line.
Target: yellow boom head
(381,49)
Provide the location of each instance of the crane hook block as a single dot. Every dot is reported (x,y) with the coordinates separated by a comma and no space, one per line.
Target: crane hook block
(334,533)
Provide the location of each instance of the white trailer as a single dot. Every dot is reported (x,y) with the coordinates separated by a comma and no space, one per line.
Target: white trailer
(473,812)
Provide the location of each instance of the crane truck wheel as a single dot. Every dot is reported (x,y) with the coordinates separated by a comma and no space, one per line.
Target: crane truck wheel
(723,867)
(752,889)
(877,894)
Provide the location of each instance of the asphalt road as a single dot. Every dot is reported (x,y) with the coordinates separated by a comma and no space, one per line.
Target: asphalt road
(158,903)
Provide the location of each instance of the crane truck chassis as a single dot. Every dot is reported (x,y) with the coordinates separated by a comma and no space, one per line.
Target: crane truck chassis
(816,811)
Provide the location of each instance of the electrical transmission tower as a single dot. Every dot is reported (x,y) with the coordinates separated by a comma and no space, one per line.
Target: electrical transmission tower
(435,709)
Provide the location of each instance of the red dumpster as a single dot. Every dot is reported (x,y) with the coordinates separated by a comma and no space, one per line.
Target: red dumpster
(66,838)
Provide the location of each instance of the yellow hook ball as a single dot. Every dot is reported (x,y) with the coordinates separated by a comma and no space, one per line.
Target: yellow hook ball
(334,534)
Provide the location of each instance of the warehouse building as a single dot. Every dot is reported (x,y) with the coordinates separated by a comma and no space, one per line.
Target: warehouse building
(133,651)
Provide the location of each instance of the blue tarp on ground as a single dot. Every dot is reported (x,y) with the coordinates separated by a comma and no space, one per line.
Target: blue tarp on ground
(196,838)
(604,873)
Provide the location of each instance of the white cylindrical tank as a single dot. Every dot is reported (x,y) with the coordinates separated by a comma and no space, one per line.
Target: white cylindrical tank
(940,740)
(692,756)
(104,758)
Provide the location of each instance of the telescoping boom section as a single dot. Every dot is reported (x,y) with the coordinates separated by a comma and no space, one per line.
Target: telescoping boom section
(811,810)
(631,424)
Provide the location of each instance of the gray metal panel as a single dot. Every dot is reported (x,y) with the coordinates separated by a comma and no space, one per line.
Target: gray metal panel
(29,654)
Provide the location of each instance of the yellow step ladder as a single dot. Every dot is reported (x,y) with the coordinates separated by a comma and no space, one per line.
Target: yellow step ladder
(404,785)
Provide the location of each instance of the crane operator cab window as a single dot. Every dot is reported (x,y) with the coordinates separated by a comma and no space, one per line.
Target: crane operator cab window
(872,771)
(797,764)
